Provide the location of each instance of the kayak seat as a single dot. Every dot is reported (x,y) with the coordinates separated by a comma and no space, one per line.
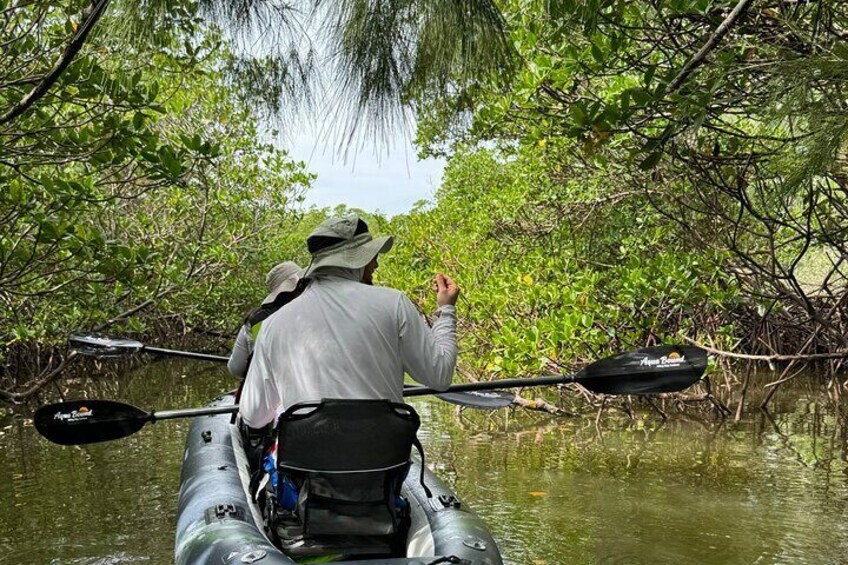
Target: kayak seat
(349,459)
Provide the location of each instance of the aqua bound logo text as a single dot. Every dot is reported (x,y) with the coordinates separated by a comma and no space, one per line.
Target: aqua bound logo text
(82,413)
(673,359)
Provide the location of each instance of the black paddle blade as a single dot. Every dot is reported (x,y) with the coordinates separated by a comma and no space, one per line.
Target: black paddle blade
(88,421)
(651,370)
(487,399)
(94,345)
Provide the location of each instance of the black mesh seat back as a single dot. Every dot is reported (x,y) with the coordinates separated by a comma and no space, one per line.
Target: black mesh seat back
(349,458)
(346,436)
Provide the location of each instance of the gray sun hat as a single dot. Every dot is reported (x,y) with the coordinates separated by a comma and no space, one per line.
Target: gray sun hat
(282,278)
(344,242)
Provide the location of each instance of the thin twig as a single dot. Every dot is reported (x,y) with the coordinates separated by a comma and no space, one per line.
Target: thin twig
(698,59)
(41,383)
(842,354)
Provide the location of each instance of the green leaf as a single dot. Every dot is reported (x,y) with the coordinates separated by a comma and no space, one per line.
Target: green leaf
(649,76)
(138,120)
(650,161)
(170,161)
(597,53)
(578,113)
(642,96)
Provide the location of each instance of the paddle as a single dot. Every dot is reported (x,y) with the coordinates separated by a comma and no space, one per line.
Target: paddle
(94,345)
(645,371)
(650,370)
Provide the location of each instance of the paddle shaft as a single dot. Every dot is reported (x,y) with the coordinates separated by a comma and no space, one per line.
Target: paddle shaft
(192,412)
(493,385)
(413,391)
(186,354)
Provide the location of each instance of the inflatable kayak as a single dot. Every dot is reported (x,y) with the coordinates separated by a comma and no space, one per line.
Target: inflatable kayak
(219,523)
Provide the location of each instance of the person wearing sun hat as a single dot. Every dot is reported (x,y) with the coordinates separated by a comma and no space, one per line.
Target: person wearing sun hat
(344,337)
(281,281)
(346,243)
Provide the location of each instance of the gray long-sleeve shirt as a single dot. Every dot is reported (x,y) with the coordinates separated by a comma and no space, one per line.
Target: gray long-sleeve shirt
(242,350)
(345,339)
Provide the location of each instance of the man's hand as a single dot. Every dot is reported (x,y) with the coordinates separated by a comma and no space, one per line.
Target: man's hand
(447,291)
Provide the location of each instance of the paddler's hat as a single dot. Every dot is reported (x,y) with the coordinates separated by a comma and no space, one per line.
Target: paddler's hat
(344,242)
(282,278)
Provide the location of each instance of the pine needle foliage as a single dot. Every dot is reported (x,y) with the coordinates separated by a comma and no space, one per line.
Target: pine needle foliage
(388,51)
(356,63)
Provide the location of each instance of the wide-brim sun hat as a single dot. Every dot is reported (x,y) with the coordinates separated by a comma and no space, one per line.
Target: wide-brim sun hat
(344,242)
(282,278)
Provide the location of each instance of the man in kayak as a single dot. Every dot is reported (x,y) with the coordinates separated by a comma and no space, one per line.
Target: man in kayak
(345,339)
(282,281)
(282,289)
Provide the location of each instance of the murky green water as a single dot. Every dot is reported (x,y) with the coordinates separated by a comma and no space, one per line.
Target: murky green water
(552,491)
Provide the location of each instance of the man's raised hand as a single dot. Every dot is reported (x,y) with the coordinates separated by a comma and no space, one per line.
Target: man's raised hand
(447,291)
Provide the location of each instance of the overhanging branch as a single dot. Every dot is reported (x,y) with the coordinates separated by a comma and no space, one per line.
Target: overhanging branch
(90,17)
(698,59)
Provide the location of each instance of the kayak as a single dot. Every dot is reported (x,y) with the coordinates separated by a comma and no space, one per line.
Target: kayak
(218,523)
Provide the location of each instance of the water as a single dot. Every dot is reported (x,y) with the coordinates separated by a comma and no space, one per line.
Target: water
(553,491)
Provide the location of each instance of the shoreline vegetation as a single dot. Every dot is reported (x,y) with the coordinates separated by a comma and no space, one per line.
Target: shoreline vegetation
(635,173)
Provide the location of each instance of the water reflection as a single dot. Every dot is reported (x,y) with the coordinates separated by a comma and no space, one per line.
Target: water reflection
(767,490)
(102,503)
(770,489)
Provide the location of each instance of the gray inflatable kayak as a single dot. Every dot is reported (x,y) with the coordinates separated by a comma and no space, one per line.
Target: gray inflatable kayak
(218,523)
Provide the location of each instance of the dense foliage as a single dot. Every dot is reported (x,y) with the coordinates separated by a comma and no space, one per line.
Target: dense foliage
(135,191)
(727,119)
(554,273)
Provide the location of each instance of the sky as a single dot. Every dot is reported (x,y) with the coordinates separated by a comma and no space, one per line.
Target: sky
(389,180)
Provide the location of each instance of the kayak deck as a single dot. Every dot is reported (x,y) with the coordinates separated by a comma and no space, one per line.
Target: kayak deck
(218,523)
